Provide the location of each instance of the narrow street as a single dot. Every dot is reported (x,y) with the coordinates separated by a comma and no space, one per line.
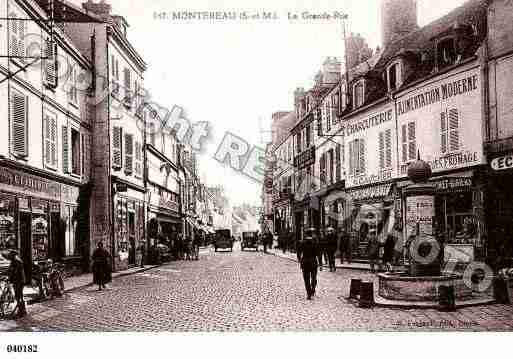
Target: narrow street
(239,291)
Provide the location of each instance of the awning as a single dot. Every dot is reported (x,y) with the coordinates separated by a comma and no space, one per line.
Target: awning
(369,193)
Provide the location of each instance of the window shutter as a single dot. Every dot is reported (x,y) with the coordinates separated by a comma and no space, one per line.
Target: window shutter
(21,39)
(65,149)
(453,128)
(50,63)
(116,147)
(388,148)
(13,43)
(19,131)
(443,131)
(319,122)
(323,169)
(113,65)
(381,150)
(351,157)
(47,141)
(129,153)
(331,169)
(404,142)
(138,159)
(411,141)
(338,160)
(362,156)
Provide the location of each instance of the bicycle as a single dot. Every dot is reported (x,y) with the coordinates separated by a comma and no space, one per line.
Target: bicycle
(8,303)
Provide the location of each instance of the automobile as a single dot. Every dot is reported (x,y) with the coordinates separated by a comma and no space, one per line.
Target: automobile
(223,240)
(249,240)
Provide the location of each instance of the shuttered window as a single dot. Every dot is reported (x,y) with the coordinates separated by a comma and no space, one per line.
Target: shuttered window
(327,111)
(454,138)
(17,31)
(138,159)
(50,140)
(385,149)
(331,165)
(65,149)
(338,161)
(319,122)
(50,63)
(444,132)
(357,165)
(117,133)
(404,143)
(73,92)
(76,152)
(128,86)
(322,169)
(129,153)
(19,123)
(412,145)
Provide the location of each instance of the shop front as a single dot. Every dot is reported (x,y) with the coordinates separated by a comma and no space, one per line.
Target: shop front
(164,221)
(128,228)
(39,218)
(369,211)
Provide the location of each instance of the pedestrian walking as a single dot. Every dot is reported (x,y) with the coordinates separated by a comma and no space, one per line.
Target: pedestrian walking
(308,253)
(267,240)
(331,247)
(321,247)
(373,250)
(142,248)
(16,275)
(101,266)
(345,247)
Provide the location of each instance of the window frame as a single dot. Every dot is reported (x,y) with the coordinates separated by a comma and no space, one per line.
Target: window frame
(52,165)
(20,155)
(357,102)
(398,64)
(71,152)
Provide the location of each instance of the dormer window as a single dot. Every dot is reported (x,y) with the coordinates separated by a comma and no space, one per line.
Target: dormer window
(446,52)
(359,94)
(394,76)
(343,96)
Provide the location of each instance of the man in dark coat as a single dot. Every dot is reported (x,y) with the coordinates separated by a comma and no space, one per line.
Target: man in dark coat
(308,253)
(16,275)
(101,266)
(345,247)
(331,247)
(322,246)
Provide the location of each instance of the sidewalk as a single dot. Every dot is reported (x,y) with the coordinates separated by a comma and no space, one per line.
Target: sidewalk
(353,265)
(82,281)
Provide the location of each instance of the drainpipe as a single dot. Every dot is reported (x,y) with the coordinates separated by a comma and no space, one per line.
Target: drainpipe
(485,111)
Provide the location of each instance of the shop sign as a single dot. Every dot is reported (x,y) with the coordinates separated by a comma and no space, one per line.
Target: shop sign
(305,159)
(452,183)
(502,163)
(443,121)
(28,182)
(373,192)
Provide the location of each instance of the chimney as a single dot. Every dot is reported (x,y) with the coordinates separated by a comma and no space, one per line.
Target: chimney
(120,23)
(299,97)
(357,50)
(331,70)
(102,9)
(398,18)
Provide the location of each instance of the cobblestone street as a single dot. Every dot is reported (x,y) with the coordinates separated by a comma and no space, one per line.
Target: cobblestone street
(239,291)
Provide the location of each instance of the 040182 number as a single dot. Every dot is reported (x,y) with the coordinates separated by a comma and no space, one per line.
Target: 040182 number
(21,348)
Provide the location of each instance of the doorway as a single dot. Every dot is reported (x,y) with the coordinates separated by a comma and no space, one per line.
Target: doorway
(25,221)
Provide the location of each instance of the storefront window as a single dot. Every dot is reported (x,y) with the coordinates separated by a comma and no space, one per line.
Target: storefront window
(70,236)
(39,236)
(8,237)
(455,218)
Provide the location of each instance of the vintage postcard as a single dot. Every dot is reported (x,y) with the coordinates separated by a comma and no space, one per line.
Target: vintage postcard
(255,167)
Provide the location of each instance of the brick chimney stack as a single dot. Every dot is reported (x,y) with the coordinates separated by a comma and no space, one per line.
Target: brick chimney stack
(102,9)
(398,18)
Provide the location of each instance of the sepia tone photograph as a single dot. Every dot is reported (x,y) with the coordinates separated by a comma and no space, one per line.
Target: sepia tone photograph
(255,167)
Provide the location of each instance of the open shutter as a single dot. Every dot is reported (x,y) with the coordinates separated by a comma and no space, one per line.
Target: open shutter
(21,39)
(331,169)
(19,131)
(381,150)
(116,147)
(412,147)
(47,141)
(362,156)
(404,143)
(443,132)
(338,160)
(319,122)
(454,138)
(351,157)
(53,140)
(138,159)
(65,149)
(129,153)
(50,67)
(388,148)
(13,39)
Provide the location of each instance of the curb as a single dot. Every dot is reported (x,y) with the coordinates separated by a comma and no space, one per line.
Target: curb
(121,274)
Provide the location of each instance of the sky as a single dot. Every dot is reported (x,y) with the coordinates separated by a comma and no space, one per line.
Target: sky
(235,74)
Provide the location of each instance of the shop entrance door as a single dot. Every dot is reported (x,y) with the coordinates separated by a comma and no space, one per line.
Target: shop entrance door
(131,239)
(26,243)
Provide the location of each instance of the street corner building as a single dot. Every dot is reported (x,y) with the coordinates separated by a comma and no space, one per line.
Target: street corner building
(439,93)
(83,158)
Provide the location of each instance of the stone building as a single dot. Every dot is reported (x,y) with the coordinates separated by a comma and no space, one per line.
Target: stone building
(45,139)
